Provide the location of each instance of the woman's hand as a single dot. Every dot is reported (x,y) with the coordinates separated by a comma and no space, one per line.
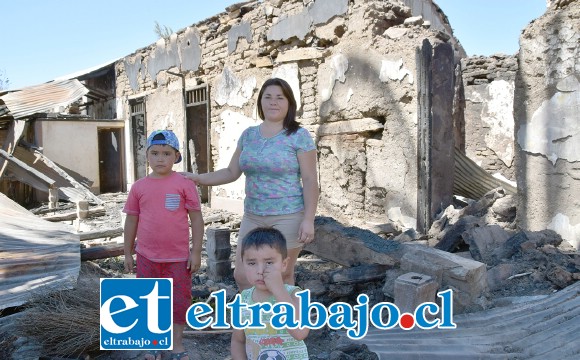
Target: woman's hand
(306,232)
(191,176)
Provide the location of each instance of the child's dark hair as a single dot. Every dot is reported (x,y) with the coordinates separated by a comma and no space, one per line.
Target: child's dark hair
(265,237)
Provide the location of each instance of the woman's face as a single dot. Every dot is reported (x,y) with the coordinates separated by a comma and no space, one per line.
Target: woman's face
(274,103)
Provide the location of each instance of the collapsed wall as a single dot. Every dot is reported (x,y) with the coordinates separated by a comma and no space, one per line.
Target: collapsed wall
(547,126)
(374,85)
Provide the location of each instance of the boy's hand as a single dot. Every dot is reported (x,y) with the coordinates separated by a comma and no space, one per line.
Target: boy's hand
(273,279)
(129,264)
(194,261)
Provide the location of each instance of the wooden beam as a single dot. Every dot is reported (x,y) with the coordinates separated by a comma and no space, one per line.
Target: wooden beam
(98,211)
(25,173)
(359,274)
(98,234)
(14,134)
(69,178)
(102,252)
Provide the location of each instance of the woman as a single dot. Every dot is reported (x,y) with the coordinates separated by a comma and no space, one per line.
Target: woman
(278,158)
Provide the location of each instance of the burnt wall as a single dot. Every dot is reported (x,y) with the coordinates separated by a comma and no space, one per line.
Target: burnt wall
(353,68)
(488,84)
(547,104)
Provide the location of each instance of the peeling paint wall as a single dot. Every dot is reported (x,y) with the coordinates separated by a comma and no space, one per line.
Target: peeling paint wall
(547,105)
(488,84)
(352,67)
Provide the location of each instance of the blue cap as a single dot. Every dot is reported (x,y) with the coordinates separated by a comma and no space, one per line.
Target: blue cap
(164,137)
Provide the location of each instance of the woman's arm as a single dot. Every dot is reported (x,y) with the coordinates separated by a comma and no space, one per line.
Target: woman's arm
(307,162)
(196,219)
(219,177)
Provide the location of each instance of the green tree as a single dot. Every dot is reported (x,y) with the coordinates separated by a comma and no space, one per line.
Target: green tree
(162,31)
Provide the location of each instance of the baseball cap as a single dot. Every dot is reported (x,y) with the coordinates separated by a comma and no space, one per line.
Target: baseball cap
(164,137)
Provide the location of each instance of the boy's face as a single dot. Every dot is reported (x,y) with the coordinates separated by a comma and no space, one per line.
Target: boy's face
(256,260)
(161,159)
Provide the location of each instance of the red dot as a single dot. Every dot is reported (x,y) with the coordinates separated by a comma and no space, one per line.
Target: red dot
(154,342)
(407,321)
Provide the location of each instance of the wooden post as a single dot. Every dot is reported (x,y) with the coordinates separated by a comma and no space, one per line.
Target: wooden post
(52,197)
(82,209)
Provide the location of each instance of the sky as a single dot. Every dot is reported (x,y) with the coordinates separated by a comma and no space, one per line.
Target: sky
(43,40)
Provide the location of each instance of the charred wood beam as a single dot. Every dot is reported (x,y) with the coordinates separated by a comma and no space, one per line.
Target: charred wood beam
(359,274)
(102,252)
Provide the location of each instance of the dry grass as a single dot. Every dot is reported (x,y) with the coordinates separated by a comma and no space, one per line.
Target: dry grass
(65,323)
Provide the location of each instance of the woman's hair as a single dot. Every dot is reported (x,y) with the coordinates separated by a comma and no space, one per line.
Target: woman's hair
(290,123)
(265,237)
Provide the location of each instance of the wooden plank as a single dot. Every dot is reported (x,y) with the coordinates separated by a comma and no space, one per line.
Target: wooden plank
(102,252)
(27,174)
(98,234)
(63,173)
(358,274)
(14,134)
(98,211)
(351,246)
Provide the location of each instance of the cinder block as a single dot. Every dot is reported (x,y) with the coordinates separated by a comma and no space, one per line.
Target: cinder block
(218,270)
(217,244)
(412,289)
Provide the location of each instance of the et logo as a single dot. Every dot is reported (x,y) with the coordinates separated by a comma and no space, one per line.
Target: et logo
(136,314)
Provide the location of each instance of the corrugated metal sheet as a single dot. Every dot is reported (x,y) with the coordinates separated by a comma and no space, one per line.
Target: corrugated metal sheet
(543,329)
(35,255)
(43,98)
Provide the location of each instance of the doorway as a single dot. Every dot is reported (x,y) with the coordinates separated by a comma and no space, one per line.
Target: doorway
(110,160)
(198,140)
(139,136)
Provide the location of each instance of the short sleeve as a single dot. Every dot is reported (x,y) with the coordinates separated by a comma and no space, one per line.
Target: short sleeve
(132,205)
(304,142)
(192,201)
(242,139)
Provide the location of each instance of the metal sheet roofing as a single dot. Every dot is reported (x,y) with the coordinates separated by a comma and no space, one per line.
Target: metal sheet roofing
(43,98)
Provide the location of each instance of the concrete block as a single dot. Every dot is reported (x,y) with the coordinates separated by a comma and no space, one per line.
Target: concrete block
(412,289)
(467,275)
(218,244)
(218,270)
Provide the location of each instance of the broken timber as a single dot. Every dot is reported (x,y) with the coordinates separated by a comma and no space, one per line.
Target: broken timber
(99,234)
(69,188)
(102,252)
(14,134)
(98,211)
(350,246)
(26,174)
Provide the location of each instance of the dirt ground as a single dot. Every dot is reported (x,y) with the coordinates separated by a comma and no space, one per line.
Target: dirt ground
(202,345)
(322,343)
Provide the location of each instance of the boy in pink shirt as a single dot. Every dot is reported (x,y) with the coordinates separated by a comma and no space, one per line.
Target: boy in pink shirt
(157,208)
